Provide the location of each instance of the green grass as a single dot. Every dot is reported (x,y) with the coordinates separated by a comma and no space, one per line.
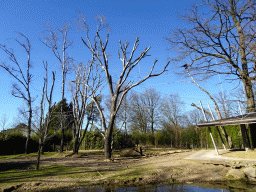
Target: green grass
(78,174)
(230,177)
(174,168)
(17,176)
(232,185)
(128,174)
(163,149)
(160,150)
(153,173)
(46,154)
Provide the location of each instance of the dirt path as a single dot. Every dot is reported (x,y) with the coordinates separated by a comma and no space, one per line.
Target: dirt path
(212,155)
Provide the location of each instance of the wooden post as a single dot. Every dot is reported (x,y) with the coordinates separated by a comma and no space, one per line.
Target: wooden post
(141,151)
(246,143)
(209,130)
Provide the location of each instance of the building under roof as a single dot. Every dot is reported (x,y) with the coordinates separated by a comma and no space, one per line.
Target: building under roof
(249,118)
(247,124)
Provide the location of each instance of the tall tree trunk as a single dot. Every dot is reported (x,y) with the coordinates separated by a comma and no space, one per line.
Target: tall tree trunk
(62,103)
(62,139)
(249,95)
(38,155)
(42,148)
(108,147)
(76,147)
(27,143)
(29,126)
(243,55)
(108,138)
(152,125)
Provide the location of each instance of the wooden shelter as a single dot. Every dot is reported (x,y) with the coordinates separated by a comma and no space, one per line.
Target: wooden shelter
(247,124)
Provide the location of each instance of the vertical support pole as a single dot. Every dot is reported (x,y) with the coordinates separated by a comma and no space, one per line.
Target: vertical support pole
(213,141)
(203,111)
(240,108)
(209,129)
(217,127)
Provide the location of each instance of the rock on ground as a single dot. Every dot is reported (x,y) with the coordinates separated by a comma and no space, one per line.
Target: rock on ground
(236,173)
(250,172)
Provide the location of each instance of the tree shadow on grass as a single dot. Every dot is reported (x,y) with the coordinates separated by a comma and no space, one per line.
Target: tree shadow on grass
(6,166)
(25,176)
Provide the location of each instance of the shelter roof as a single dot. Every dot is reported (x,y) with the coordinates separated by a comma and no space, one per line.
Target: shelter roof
(247,118)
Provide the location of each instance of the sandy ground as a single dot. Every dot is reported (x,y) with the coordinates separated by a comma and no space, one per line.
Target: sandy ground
(224,155)
(182,166)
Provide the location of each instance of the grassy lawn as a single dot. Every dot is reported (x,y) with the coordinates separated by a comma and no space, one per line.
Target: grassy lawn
(66,174)
(46,154)
(57,173)
(17,176)
(160,149)
(82,152)
(49,154)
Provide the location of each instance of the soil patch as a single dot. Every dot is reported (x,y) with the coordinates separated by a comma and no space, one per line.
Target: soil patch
(90,168)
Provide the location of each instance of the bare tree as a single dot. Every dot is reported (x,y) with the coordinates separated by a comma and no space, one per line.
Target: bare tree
(172,110)
(123,85)
(59,48)
(226,104)
(215,104)
(152,100)
(195,116)
(220,39)
(86,75)
(240,97)
(23,78)
(138,114)
(123,113)
(44,123)
(4,122)
(208,94)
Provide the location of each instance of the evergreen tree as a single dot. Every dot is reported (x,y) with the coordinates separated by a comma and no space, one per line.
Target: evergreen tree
(56,117)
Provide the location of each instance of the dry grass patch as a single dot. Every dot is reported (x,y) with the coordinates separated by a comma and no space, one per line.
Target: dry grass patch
(241,154)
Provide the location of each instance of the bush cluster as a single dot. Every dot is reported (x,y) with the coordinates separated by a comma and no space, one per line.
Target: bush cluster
(14,143)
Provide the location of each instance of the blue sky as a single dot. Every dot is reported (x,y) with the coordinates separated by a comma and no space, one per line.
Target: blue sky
(152,20)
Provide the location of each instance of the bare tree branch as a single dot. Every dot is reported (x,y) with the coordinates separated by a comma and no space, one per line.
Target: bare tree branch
(23,78)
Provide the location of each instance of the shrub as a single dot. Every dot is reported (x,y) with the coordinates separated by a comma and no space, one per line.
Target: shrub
(129,153)
(14,142)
